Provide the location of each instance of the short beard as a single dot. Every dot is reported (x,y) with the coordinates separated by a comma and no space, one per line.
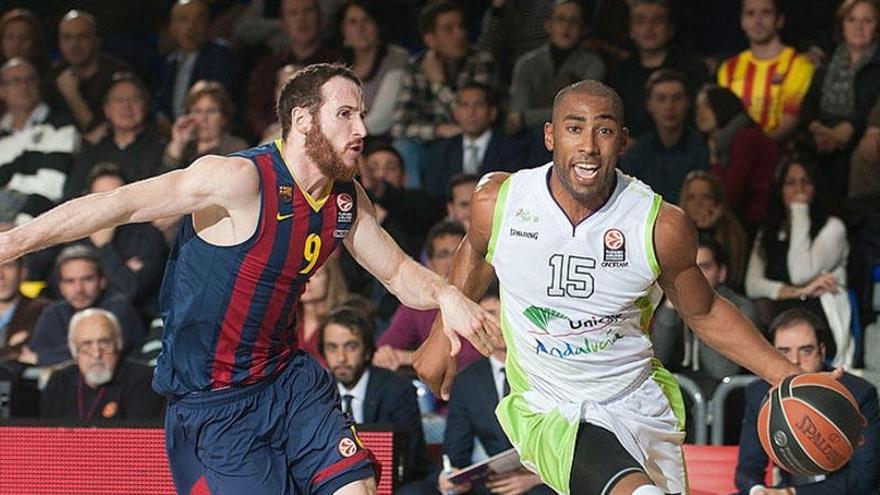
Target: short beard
(328,161)
(98,375)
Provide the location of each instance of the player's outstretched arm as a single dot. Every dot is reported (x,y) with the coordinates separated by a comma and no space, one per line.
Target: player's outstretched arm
(415,285)
(210,181)
(472,274)
(715,320)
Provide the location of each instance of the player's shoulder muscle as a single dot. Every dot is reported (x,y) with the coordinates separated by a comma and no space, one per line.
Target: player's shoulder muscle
(483,209)
(675,240)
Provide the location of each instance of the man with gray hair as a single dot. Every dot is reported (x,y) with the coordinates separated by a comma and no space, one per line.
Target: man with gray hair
(101,385)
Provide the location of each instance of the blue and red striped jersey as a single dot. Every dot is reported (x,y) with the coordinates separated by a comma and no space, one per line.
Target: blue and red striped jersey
(229,311)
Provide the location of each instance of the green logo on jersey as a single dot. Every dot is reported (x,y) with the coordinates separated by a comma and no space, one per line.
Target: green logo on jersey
(526,216)
(542,317)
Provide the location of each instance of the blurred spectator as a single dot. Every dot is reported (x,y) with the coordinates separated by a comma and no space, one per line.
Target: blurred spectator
(740,154)
(424,107)
(377,62)
(799,336)
(702,199)
(368,393)
(21,36)
(202,128)
(510,28)
(132,255)
(301,20)
(102,384)
(130,143)
(651,29)
(864,176)
(540,73)
(770,77)
(836,107)
(18,313)
(666,154)
(37,142)
(82,284)
(479,149)
(407,214)
(458,204)
(410,327)
(196,59)
(324,291)
(78,81)
(273,132)
(800,254)
(679,349)
(475,393)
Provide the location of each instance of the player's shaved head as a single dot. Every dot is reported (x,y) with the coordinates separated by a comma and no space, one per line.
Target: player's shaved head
(590,87)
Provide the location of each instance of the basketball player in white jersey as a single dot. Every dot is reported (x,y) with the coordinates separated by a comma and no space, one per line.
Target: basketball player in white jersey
(582,252)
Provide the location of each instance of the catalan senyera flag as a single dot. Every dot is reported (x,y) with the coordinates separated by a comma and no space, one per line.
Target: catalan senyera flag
(770,87)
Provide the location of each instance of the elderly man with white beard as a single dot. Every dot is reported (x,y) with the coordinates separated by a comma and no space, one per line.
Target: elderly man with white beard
(101,384)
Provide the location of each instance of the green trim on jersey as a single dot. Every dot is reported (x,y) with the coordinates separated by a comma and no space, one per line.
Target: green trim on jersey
(671,390)
(544,441)
(646,313)
(649,234)
(497,217)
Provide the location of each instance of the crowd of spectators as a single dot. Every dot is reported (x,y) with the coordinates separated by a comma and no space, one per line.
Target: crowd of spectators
(762,122)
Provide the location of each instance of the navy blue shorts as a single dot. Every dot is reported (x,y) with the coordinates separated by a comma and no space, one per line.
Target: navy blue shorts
(283,436)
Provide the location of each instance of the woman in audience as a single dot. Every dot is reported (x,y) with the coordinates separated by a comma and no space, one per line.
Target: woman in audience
(843,91)
(201,129)
(21,36)
(324,291)
(376,62)
(702,199)
(741,155)
(800,254)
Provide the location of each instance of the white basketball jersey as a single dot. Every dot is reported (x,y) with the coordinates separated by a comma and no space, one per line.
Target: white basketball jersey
(576,299)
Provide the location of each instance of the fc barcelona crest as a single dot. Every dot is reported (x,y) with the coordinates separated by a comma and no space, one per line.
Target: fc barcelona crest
(285,193)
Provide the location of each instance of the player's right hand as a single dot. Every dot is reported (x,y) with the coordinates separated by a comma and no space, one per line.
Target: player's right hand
(435,369)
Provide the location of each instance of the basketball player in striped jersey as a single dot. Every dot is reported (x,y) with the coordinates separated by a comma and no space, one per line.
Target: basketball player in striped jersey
(583,254)
(770,77)
(249,413)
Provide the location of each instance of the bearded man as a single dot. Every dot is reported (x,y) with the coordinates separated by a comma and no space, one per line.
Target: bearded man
(101,385)
(249,412)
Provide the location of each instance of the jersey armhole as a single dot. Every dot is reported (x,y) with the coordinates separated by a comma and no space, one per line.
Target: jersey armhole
(651,221)
(497,217)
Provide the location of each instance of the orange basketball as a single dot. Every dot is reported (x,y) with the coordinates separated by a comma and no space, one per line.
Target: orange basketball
(810,424)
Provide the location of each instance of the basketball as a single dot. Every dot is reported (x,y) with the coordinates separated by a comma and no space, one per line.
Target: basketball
(809,424)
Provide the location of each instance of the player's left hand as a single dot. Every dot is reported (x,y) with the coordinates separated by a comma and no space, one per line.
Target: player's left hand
(463,317)
(513,483)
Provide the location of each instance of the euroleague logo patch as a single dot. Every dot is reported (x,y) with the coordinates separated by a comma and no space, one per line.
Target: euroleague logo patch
(344,202)
(347,447)
(615,249)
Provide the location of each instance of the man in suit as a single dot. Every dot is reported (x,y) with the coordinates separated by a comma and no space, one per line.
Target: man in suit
(475,393)
(798,335)
(479,148)
(196,58)
(370,394)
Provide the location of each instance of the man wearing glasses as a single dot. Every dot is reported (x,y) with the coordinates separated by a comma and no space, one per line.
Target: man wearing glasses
(100,385)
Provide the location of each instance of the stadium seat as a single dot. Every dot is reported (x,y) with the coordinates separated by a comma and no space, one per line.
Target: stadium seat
(711,468)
